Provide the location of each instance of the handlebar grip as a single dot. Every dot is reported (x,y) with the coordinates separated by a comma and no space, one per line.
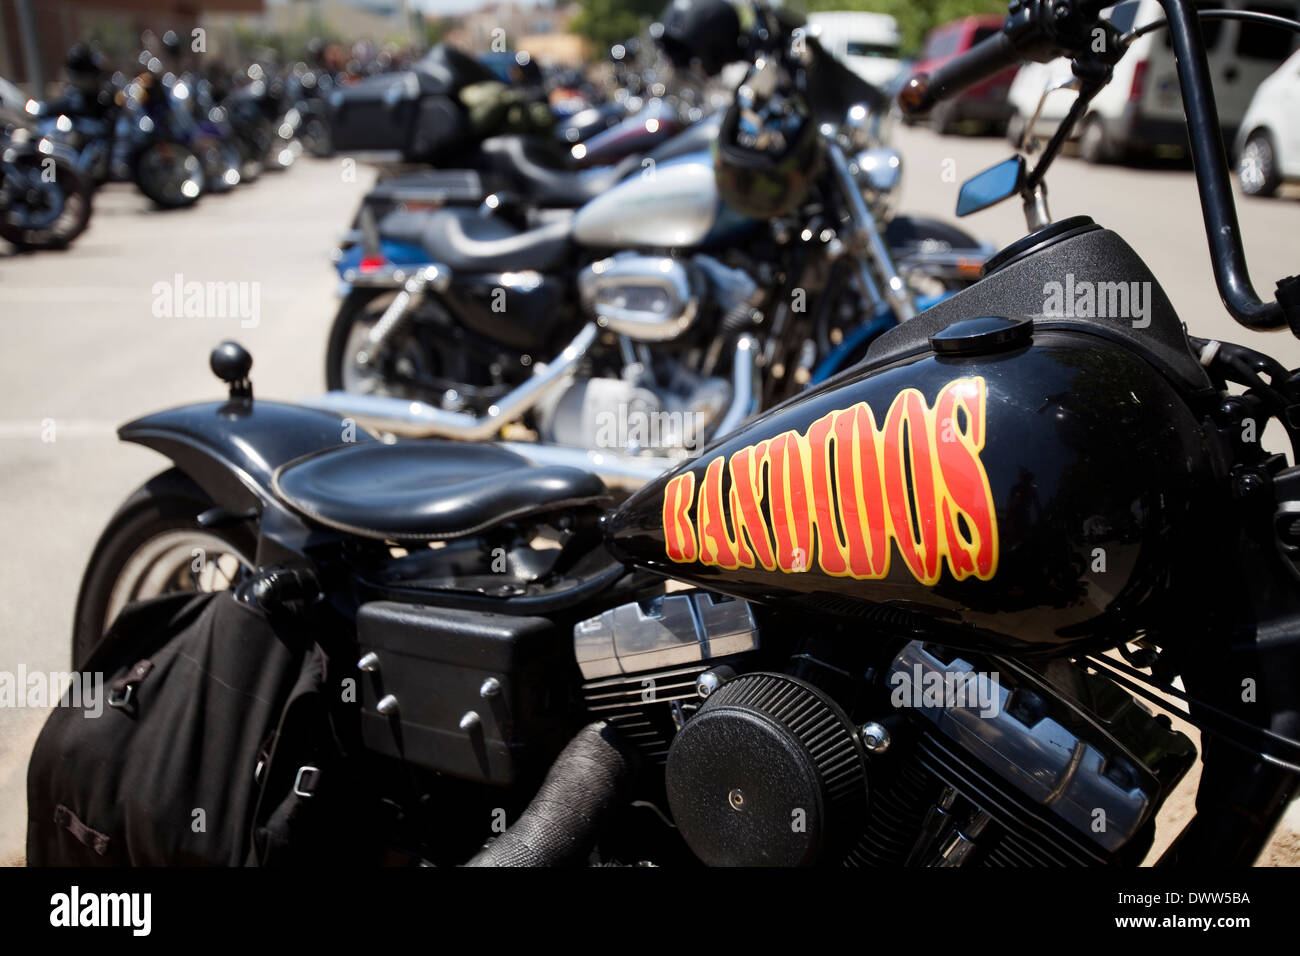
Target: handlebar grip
(985,59)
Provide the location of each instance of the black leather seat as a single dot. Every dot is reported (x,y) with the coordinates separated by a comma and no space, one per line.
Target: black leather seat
(466,241)
(538,170)
(428,490)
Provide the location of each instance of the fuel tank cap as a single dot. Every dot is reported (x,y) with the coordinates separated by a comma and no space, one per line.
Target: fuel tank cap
(981,335)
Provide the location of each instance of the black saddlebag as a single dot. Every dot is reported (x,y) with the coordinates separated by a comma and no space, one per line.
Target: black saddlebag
(210,745)
(408,113)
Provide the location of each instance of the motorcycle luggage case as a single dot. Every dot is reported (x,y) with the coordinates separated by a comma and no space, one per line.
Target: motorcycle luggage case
(424,191)
(469,689)
(408,113)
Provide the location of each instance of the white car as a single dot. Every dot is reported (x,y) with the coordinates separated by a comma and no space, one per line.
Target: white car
(867,43)
(1268,143)
(1141,110)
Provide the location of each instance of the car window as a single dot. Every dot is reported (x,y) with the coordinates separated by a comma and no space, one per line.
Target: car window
(941,44)
(1262,42)
(863,48)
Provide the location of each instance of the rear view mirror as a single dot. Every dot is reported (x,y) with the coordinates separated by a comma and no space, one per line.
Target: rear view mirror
(991,186)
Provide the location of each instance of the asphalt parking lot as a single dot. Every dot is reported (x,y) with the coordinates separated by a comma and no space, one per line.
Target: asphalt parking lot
(86,346)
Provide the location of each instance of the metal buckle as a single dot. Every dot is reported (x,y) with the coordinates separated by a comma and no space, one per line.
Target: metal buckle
(298,781)
(123,702)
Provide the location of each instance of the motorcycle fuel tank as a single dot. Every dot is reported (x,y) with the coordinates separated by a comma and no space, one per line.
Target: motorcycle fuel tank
(668,205)
(1012,487)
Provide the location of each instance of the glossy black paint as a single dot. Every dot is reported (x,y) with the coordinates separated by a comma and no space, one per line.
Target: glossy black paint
(523,311)
(1097,465)
(231,449)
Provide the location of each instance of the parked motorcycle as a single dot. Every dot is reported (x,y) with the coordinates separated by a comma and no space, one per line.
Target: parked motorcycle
(907,582)
(45,202)
(126,130)
(446,312)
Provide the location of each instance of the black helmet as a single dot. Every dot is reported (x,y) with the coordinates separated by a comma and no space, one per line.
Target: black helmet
(84,60)
(705,30)
(768,149)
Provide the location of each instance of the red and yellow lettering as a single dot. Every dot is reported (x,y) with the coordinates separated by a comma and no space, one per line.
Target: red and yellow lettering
(913,508)
(716,546)
(679,536)
(790,508)
(848,488)
(747,506)
(966,485)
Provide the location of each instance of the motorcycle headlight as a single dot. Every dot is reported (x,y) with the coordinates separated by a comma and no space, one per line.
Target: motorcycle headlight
(877,173)
(858,128)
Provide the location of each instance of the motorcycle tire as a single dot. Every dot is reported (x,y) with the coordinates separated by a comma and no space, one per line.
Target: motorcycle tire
(158,523)
(169,174)
(360,310)
(221,165)
(55,228)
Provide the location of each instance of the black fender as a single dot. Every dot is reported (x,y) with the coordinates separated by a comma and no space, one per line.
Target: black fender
(904,231)
(232,449)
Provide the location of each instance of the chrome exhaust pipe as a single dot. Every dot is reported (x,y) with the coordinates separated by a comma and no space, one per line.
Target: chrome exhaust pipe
(744,385)
(415,419)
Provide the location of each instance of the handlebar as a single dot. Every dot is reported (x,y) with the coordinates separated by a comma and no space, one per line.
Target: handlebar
(987,58)
(1032,31)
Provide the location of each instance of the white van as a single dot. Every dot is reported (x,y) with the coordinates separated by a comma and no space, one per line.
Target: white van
(867,43)
(1141,110)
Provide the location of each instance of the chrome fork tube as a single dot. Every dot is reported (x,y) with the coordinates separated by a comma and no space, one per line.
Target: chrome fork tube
(867,238)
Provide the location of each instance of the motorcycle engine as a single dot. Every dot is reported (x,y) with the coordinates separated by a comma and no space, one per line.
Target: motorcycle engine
(660,404)
(636,414)
(792,755)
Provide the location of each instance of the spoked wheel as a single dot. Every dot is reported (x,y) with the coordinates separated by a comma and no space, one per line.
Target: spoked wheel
(1257,166)
(170,174)
(398,372)
(221,165)
(153,546)
(43,207)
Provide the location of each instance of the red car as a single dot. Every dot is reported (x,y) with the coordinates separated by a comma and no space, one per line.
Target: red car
(985,102)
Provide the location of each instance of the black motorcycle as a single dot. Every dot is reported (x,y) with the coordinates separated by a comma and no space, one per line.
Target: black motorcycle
(927,598)
(45,201)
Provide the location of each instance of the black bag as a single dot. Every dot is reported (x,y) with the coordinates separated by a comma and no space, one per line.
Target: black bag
(212,747)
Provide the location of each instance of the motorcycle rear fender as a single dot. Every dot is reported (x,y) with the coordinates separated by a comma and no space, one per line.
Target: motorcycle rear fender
(401,259)
(232,449)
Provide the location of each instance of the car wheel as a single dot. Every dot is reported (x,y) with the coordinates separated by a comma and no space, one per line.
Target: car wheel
(1257,166)
(1094,144)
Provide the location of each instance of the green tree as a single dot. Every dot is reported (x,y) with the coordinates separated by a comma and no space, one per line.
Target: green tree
(606,22)
(435,28)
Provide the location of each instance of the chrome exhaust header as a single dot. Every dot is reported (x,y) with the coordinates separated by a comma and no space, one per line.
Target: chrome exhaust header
(415,419)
